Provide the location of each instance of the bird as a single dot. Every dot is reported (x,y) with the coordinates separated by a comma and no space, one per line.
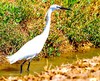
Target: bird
(34,46)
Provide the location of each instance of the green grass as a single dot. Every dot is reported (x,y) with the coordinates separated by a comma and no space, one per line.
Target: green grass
(20,21)
(84,24)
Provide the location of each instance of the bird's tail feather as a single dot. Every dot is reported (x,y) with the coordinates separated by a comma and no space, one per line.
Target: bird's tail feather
(11,59)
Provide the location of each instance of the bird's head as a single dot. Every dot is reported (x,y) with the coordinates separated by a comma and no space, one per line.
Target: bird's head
(56,7)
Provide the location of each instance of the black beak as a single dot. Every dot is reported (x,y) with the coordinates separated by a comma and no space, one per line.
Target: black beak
(65,8)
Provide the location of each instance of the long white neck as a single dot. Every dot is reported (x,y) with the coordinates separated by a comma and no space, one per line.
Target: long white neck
(47,28)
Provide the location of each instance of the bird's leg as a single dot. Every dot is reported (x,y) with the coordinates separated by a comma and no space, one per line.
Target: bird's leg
(28,66)
(21,66)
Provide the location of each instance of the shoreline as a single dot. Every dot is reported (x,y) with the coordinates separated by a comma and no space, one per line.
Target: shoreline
(81,70)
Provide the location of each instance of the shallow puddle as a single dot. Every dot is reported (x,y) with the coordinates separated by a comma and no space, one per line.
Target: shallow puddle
(38,66)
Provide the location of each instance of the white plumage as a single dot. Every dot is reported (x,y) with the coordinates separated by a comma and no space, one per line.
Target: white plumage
(34,46)
(29,50)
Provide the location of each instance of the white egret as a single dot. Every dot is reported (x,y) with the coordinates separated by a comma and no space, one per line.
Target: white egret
(34,46)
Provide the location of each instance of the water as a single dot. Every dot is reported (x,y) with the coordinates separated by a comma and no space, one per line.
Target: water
(38,66)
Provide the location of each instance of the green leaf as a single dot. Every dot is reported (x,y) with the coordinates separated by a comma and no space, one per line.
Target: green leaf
(44,1)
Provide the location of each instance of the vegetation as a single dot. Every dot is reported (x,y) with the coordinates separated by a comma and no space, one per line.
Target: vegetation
(21,20)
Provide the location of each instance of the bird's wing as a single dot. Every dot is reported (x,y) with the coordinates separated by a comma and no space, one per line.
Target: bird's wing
(33,46)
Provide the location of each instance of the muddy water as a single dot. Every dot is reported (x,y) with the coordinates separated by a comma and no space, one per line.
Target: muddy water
(38,66)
